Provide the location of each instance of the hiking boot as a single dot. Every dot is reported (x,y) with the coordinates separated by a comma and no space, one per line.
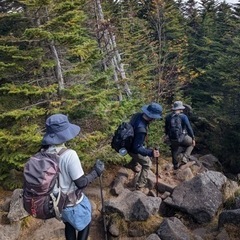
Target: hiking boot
(175,167)
(184,160)
(179,157)
(134,167)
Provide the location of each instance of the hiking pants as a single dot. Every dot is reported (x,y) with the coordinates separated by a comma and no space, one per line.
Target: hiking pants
(185,147)
(145,162)
(70,232)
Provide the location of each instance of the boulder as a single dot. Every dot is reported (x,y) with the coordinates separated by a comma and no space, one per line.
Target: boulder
(153,236)
(200,197)
(172,228)
(133,206)
(229,216)
(119,182)
(211,162)
(16,210)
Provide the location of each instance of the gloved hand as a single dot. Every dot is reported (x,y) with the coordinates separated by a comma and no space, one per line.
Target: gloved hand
(99,167)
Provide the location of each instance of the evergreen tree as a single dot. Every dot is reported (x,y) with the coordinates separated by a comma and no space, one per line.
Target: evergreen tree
(213,53)
(47,59)
(169,44)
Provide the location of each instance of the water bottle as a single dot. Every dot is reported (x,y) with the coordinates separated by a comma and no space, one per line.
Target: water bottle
(122,151)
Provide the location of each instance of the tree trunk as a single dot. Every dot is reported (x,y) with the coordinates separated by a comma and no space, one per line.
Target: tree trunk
(108,46)
(57,68)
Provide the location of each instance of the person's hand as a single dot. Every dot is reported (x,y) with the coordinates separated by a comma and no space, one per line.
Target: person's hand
(99,167)
(156,153)
(193,142)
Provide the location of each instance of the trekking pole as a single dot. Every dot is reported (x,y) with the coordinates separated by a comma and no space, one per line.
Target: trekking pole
(157,173)
(103,209)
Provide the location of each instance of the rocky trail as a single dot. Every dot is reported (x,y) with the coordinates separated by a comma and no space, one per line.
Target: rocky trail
(117,184)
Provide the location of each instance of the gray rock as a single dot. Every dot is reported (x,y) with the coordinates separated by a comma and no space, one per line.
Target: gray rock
(229,216)
(114,229)
(6,205)
(223,235)
(153,236)
(184,174)
(10,231)
(145,207)
(119,181)
(210,162)
(200,197)
(165,195)
(133,205)
(172,228)
(161,186)
(237,202)
(17,211)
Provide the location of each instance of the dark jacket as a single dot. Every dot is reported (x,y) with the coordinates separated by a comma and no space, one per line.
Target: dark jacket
(140,126)
(186,126)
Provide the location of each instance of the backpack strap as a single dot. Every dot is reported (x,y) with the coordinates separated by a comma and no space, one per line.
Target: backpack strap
(63,150)
(61,196)
(134,119)
(134,122)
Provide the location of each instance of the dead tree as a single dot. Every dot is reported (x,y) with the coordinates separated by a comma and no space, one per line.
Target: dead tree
(112,58)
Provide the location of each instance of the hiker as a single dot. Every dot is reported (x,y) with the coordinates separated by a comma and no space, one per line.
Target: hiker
(179,132)
(77,212)
(141,155)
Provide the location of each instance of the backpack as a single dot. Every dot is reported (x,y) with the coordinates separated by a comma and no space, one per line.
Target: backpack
(124,134)
(175,129)
(40,176)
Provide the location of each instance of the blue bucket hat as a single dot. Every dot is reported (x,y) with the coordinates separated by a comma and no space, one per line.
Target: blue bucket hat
(59,130)
(153,110)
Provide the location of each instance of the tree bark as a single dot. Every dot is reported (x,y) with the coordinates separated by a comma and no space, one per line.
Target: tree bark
(57,68)
(108,46)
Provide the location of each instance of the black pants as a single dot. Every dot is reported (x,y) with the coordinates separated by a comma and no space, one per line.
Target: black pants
(72,234)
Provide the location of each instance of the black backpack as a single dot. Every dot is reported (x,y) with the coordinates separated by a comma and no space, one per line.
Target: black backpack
(175,128)
(124,134)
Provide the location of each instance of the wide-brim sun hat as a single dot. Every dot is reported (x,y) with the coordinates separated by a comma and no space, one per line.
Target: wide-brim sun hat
(178,105)
(59,130)
(153,110)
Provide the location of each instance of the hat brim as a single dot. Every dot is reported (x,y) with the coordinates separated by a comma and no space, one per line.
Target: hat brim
(149,114)
(61,137)
(178,108)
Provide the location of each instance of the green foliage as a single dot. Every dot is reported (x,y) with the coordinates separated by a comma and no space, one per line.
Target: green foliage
(214,55)
(26,89)
(167,54)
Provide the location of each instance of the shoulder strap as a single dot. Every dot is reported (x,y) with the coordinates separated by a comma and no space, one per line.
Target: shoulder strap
(135,123)
(134,118)
(63,150)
